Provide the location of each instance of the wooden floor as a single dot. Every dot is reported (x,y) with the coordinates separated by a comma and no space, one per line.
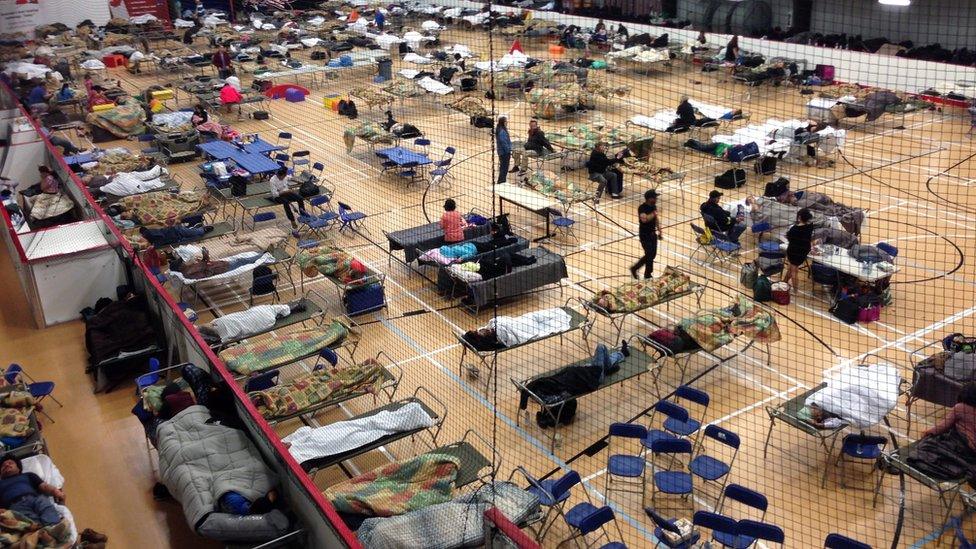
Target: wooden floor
(914,182)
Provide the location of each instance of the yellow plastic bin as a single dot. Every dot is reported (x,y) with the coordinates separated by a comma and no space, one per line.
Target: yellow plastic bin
(331,102)
(105,107)
(163,95)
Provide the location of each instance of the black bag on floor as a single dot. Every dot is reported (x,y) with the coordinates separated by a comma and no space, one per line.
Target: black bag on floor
(261,115)
(469,84)
(238,185)
(544,418)
(766,166)
(731,179)
(481,122)
(308,188)
(846,310)
(776,188)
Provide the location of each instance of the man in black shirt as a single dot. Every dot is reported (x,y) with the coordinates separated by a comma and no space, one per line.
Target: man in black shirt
(599,167)
(723,220)
(25,493)
(649,233)
(536,144)
(687,116)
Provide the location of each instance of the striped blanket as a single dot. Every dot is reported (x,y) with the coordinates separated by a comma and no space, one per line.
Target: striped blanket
(282,349)
(318,386)
(397,488)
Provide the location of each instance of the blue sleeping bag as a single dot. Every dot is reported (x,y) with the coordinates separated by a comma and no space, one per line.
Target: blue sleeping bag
(459,251)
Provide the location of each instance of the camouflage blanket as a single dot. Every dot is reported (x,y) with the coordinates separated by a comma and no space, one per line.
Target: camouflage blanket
(640,294)
(371,97)
(546,102)
(397,488)
(272,352)
(19,532)
(718,327)
(318,386)
(370,132)
(644,169)
(127,118)
(470,106)
(550,184)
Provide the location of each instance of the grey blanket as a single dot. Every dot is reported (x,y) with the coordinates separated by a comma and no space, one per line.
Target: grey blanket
(851,218)
(549,268)
(457,523)
(417,240)
(199,462)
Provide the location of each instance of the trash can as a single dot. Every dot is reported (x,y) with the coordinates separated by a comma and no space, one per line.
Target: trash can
(384,67)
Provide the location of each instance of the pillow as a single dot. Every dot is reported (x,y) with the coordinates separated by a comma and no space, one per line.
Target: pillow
(178,402)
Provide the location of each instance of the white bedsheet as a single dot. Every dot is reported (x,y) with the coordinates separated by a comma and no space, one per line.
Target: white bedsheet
(417,59)
(711,111)
(42,466)
(659,121)
(264,258)
(255,320)
(434,86)
(129,183)
(513,331)
(862,395)
(308,443)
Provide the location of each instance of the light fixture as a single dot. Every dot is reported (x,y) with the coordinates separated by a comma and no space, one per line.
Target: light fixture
(895,2)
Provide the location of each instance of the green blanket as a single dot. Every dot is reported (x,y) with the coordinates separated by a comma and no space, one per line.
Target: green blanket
(718,327)
(282,349)
(640,294)
(318,386)
(397,488)
(20,532)
(125,119)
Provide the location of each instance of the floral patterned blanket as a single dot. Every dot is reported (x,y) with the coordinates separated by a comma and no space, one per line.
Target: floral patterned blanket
(19,532)
(397,488)
(370,132)
(641,294)
(318,386)
(162,208)
(333,263)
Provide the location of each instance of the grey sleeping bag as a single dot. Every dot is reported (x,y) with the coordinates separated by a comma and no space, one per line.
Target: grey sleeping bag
(200,462)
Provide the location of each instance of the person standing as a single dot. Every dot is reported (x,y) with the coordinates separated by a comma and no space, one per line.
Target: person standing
(221,60)
(380,19)
(649,233)
(503,143)
(800,242)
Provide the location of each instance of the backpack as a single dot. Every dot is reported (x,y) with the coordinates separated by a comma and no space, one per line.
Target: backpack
(482,122)
(706,237)
(766,165)
(238,185)
(469,84)
(308,188)
(731,179)
(749,275)
(846,310)
(351,110)
(738,153)
(544,418)
(343,107)
(762,290)
(263,280)
(776,188)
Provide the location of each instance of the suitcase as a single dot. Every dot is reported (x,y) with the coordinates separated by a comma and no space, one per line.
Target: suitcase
(365,299)
(825,72)
(766,165)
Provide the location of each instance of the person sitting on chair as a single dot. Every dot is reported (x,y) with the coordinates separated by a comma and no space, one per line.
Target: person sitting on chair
(535,145)
(724,222)
(281,194)
(229,96)
(600,169)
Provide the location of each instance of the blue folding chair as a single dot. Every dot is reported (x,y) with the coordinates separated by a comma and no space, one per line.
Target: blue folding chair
(329,356)
(673,480)
(314,224)
(964,542)
(755,530)
(282,159)
(148,379)
(552,494)
(317,171)
(857,448)
(563,224)
(709,468)
(837,541)
(300,160)
(690,426)
(623,466)
(262,217)
(423,143)
(586,518)
(887,248)
(323,205)
(744,496)
(717,250)
(720,525)
(671,411)
(38,389)
(662,525)
(350,219)
(442,167)
(284,141)
(262,381)
(408,172)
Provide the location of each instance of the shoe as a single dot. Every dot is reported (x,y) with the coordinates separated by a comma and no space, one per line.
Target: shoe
(513,170)
(616,196)
(208,229)
(624,348)
(92,536)
(633,273)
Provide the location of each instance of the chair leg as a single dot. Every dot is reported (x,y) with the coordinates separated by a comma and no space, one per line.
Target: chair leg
(47,415)
(56,400)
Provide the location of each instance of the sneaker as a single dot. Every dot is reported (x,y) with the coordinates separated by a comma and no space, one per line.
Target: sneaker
(616,196)
(633,273)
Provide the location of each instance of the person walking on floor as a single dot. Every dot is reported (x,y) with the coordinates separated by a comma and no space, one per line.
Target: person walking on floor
(503,143)
(649,233)
(281,194)
(800,242)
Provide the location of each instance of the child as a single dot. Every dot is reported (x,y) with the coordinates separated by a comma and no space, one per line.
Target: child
(452,223)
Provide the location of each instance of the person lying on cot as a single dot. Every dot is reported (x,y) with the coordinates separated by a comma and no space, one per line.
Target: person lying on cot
(819,418)
(205,267)
(26,493)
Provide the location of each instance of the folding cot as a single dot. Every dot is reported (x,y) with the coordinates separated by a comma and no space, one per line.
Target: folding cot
(272,352)
(548,268)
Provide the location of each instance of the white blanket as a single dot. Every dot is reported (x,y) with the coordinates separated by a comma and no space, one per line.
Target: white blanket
(434,86)
(513,331)
(712,111)
(255,320)
(862,395)
(129,183)
(417,59)
(167,120)
(42,466)
(659,121)
(308,443)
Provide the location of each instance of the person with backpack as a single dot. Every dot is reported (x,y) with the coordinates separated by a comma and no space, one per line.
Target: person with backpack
(799,243)
(649,233)
(503,144)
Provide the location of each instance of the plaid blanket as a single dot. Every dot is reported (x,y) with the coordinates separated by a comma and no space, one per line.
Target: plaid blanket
(470,106)
(718,327)
(550,184)
(371,132)
(282,349)
(371,97)
(15,410)
(640,294)
(547,101)
(397,488)
(333,263)
(318,386)
(17,531)
(125,119)
(162,208)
